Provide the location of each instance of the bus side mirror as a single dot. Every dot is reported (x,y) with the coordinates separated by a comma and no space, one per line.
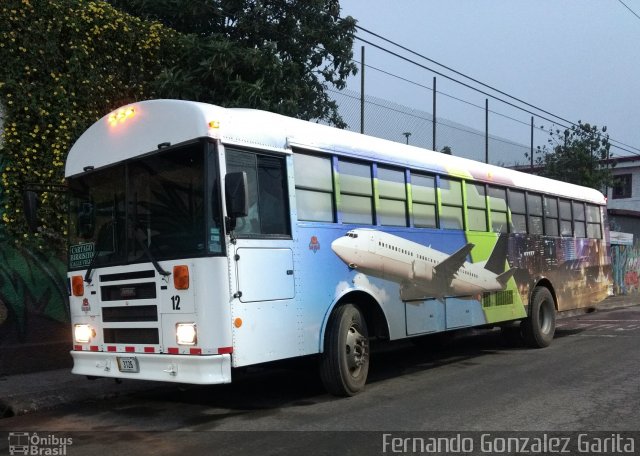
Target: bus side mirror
(30,202)
(236,194)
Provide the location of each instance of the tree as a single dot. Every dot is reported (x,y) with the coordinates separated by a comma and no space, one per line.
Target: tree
(65,64)
(277,55)
(447,150)
(579,155)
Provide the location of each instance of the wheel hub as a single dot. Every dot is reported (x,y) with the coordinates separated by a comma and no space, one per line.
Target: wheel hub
(356,349)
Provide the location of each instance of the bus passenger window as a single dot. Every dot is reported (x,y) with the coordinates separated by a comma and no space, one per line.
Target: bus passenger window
(594,230)
(498,206)
(518,211)
(476,207)
(393,197)
(551,216)
(423,195)
(534,206)
(565,218)
(356,192)
(314,188)
(451,210)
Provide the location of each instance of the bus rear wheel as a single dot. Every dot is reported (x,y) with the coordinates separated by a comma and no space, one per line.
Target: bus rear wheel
(538,329)
(345,362)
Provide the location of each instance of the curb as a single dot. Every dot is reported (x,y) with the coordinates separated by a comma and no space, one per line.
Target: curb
(618,302)
(23,394)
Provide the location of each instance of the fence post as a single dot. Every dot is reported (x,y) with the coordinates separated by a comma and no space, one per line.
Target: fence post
(362,91)
(434,114)
(486,129)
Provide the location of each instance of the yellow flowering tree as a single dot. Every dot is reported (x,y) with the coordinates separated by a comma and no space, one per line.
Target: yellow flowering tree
(65,63)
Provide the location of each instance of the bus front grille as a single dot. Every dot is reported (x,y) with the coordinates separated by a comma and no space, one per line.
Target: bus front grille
(133,291)
(129,314)
(131,336)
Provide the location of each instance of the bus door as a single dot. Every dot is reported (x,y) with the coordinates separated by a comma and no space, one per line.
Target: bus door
(261,255)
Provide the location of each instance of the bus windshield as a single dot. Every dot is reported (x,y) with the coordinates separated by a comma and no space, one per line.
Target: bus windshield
(150,206)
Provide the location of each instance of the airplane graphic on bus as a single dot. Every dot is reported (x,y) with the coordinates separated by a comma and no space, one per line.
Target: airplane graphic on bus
(421,271)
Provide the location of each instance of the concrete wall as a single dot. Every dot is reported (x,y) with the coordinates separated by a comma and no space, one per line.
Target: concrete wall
(35,331)
(625,262)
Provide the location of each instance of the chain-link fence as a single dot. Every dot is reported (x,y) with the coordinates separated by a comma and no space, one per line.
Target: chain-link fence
(395,122)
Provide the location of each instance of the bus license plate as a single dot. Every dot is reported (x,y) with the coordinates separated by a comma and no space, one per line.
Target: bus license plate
(128,364)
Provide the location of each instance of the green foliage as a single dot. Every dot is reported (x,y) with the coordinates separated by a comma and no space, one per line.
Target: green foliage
(278,55)
(579,155)
(65,63)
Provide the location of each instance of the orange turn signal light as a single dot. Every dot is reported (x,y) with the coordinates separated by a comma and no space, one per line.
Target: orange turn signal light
(77,285)
(181,277)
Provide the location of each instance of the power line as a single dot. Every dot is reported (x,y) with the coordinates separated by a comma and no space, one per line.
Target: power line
(474,105)
(463,75)
(632,11)
(395,54)
(448,95)
(407,59)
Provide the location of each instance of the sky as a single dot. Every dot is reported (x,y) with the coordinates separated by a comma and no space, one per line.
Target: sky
(579,59)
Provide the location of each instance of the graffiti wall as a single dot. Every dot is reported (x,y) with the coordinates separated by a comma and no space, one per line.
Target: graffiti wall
(625,261)
(34,316)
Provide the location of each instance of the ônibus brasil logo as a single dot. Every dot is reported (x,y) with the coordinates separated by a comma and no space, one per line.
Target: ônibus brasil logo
(26,443)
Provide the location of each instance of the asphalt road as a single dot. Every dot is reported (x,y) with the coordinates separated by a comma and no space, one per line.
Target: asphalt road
(587,380)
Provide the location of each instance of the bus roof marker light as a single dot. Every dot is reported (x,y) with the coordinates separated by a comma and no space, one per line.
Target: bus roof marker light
(121,115)
(214,128)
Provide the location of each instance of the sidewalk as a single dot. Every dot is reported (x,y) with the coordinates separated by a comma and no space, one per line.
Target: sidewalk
(27,393)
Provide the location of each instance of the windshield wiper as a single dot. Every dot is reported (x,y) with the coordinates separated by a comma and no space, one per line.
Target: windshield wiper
(146,250)
(87,275)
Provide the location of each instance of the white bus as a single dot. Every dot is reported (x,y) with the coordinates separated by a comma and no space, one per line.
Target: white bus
(203,239)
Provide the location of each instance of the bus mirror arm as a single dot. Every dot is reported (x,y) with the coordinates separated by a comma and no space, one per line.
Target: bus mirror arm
(236,198)
(30,201)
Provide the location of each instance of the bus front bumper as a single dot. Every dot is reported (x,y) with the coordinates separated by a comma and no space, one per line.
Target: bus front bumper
(195,369)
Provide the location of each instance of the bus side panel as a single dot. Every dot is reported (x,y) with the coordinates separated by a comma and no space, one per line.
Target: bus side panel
(578,269)
(322,279)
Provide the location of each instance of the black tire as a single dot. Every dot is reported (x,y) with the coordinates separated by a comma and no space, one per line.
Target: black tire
(344,365)
(538,329)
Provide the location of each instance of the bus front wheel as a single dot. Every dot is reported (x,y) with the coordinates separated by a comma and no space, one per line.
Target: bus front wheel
(538,329)
(345,362)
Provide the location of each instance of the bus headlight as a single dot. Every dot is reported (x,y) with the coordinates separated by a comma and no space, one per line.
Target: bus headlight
(83,333)
(186,334)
